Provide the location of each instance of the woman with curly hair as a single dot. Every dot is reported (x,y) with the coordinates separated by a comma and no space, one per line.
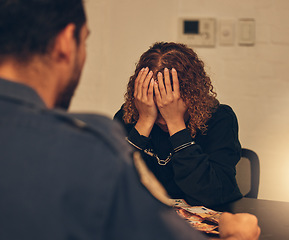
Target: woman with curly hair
(187,138)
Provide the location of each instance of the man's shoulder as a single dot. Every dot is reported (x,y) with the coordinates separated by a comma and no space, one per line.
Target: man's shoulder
(96,121)
(87,122)
(60,128)
(98,127)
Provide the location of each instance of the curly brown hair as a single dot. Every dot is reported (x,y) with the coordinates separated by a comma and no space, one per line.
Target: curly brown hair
(196,88)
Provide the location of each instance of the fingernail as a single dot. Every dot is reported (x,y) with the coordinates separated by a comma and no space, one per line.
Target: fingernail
(173,69)
(159,73)
(166,69)
(150,73)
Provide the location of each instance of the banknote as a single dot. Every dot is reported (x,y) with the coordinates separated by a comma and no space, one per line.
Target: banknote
(200,217)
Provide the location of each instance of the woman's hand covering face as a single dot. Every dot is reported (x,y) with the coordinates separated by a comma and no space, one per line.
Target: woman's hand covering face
(169,101)
(143,95)
(144,101)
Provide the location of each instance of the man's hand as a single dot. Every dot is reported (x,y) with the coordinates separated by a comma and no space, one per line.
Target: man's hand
(240,226)
(144,102)
(169,102)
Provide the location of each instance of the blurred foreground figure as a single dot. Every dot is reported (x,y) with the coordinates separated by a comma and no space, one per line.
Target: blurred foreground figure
(66,176)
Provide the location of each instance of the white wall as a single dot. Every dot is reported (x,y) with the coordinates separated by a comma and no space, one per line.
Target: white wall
(253,80)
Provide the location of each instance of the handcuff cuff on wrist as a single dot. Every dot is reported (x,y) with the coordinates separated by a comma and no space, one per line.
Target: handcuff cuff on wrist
(162,162)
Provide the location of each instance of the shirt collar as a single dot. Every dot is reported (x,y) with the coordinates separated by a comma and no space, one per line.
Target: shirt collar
(20,92)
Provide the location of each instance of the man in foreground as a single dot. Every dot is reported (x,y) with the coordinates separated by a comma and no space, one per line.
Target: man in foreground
(69,176)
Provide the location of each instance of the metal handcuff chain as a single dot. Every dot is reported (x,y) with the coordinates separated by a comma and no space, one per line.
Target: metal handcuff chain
(161,161)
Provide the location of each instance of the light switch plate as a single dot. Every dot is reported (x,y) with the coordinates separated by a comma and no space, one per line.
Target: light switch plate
(246,31)
(226,32)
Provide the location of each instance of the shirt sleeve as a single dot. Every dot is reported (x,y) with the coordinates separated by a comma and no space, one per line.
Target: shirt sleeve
(131,133)
(205,171)
(136,214)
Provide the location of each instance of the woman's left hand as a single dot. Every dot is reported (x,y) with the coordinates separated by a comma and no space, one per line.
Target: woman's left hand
(169,101)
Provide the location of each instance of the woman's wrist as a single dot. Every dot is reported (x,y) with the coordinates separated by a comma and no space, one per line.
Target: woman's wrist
(176,126)
(144,127)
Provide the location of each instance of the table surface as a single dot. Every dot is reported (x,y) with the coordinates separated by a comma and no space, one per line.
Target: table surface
(273,216)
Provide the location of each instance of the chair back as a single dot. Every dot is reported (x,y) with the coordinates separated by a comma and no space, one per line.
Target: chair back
(248,173)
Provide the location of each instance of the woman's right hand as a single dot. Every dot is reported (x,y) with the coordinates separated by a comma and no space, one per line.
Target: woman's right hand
(144,102)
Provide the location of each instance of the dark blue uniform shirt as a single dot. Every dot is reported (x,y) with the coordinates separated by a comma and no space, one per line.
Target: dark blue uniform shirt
(62,178)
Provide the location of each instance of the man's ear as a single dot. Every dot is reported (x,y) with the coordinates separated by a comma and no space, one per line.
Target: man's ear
(64,45)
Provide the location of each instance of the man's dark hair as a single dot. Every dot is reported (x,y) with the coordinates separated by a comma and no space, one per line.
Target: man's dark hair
(29,27)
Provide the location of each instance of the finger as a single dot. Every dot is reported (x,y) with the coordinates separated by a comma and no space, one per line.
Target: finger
(258,233)
(141,80)
(157,92)
(136,83)
(151,89)
(146,83)
(168,84)
(176,84)
(161,87)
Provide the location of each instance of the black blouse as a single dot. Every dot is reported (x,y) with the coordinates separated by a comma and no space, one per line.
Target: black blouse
(203,173)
